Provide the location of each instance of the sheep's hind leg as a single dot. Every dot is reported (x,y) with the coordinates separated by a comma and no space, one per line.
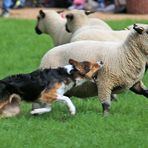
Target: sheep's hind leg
(140,89)
(114,97)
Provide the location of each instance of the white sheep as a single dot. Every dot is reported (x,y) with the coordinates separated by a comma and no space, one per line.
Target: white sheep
(53,24)
(76,24)
(82,29)
(80,18)
(124,63)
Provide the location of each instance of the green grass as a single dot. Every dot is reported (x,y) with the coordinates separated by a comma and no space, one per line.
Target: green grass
(127,126)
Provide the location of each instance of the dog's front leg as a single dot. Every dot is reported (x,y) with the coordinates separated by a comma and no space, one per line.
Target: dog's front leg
(39,111)
(68,102)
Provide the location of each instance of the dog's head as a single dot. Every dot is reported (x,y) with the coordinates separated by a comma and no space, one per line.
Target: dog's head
(9,102)
(86,69)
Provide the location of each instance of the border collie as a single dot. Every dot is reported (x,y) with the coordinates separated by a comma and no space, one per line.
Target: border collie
(46,86)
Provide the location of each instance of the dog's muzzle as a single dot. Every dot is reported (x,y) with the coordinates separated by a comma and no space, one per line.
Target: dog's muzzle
(37,30)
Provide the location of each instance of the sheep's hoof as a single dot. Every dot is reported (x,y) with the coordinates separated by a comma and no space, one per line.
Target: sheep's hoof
(105,114)
(114,97)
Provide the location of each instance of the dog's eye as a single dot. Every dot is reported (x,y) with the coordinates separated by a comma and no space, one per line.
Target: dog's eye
(86,68)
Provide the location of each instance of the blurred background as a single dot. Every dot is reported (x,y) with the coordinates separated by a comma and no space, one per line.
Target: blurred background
(105,6)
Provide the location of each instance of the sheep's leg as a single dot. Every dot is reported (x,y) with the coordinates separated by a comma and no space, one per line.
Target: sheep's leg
(114,97)
(105,98)
(146,66)
(140,89)
(69,103)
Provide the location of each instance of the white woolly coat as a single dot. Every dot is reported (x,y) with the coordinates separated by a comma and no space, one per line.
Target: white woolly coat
(93,33)
(84,28)
(124,62)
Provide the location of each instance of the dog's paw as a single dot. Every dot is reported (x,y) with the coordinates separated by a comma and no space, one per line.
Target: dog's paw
(34,112)
(40,111)
(73,111)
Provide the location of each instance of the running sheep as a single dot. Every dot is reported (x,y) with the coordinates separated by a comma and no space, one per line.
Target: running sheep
(124,64)
(76,24)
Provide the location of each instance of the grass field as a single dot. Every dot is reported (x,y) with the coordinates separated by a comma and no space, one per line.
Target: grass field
(127,126)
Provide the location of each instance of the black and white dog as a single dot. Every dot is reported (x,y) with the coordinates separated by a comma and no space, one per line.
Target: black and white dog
(46,85)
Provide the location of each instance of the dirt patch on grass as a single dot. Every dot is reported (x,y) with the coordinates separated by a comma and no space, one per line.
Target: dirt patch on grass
(31,13)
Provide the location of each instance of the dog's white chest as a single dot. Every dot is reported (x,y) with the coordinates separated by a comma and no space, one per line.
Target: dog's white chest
(80,81)
(64,88)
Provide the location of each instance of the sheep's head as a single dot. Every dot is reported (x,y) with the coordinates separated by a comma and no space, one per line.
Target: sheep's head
(130,27)
(142,32)
(40,27)
(76,19)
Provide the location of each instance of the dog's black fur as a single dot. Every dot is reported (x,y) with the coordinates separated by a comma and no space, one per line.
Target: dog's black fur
(29,86)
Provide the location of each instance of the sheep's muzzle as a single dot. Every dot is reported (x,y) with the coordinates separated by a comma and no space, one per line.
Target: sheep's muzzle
(66,27)
(37,30)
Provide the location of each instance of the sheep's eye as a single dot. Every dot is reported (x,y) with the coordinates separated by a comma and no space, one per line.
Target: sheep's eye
(147,31)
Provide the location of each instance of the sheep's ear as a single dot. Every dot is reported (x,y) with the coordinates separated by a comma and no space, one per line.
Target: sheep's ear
(138,28)
(70,16)
(42,13)
(60,11)
(87,12)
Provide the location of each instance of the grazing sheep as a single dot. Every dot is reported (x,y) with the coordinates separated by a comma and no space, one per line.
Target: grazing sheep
(51,23)
(124,64)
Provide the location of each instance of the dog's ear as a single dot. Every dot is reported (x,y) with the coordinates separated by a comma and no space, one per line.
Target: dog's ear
(137,28)
(88,12)
(77,65)
(73,62)
(42,14)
